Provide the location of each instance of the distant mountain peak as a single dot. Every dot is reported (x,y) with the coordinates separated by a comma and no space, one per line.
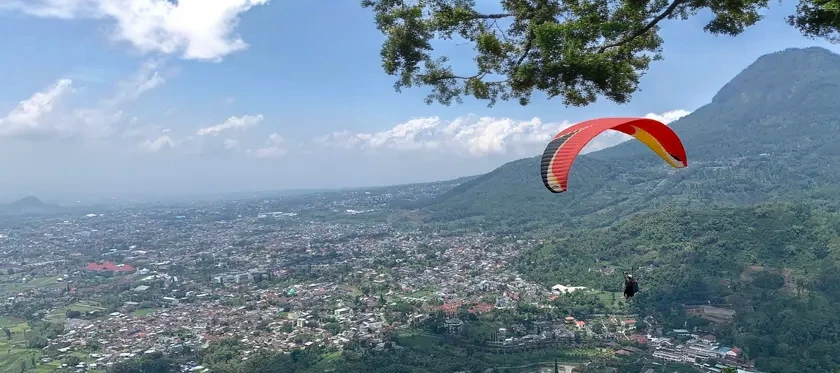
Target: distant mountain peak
(28,205)
(780,76)
(29,201)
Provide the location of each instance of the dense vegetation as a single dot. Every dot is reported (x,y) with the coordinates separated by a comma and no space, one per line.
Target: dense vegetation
(777,265)
(415,353)
(149,363)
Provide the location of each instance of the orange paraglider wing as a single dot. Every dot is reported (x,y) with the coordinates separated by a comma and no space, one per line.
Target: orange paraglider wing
(563,149)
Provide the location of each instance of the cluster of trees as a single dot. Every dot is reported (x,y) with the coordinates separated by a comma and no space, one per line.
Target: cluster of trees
(224,356)
(406,353)
(41,332)
(148,363)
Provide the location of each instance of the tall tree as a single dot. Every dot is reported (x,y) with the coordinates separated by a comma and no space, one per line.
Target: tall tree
(572,49)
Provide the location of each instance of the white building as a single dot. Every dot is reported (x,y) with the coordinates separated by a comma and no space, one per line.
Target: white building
(562,289)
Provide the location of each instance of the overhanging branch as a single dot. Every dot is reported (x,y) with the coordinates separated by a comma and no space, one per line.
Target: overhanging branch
(528,44)
(635,34)
(489,16)
(453,77)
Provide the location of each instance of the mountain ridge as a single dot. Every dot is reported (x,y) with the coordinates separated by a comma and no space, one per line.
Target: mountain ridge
(28,204)
(755,142)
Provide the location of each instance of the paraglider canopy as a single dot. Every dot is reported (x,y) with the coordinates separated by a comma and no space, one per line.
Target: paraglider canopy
(563,149)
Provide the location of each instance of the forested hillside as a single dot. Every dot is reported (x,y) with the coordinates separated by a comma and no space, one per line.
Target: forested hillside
(769,134)
(777,265)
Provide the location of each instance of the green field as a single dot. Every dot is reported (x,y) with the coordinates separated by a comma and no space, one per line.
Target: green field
(332,355)
(420,294)
(614,305)
(13,352)
(17,327)
(38,282)
(59,314)
(143,312)
(12,358)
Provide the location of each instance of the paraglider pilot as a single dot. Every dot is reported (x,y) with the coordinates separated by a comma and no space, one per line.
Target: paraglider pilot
(631,286)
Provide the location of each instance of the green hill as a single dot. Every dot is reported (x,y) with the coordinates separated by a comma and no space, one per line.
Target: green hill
(769,134)
(777,265)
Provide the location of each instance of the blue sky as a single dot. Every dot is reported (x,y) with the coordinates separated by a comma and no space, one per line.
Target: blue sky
(109,97)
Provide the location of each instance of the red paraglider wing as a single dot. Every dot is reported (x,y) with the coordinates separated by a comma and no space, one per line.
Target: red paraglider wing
(563,149)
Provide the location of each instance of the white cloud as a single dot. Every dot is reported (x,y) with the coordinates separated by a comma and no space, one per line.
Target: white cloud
(231,144)
(161,143)
(276,147)
(229,100)
(241,123)
(475,136)
(102,119)
(95,122)
(668,116)
(145,79)
(195,29)
(40,115)
(29,116)
(136,131)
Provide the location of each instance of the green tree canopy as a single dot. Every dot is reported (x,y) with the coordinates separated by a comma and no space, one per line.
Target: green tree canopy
(572,49)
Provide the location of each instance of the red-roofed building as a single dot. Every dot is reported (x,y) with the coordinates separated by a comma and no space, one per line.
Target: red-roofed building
(640,339)
(451,307)
(481,308)
(734,354)
(628,323)
(109,266)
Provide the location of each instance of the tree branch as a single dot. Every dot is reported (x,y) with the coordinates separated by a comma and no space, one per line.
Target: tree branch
(528,44)
(667,12)
(456,77)
(502,32)
(489,16)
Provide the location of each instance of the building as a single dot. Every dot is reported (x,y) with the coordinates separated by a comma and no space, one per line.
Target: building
(629,324)
(562,289)
(342,311)
(453,325)
(109,266)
